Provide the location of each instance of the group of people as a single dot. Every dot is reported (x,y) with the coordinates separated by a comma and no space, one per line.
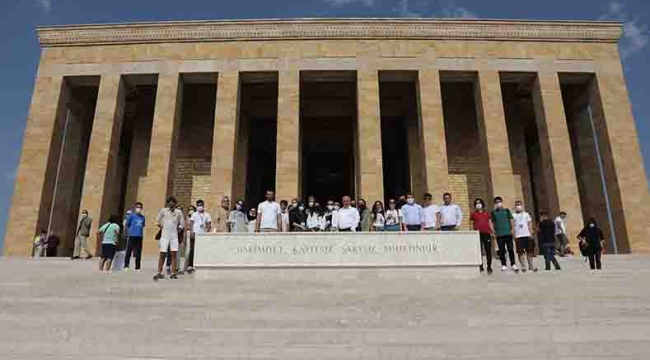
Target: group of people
(516,229)
(177,231)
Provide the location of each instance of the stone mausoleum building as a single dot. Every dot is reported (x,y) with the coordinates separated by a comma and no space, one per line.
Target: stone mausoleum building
(373,108)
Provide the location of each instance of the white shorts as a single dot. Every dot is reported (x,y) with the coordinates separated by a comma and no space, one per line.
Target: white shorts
(168,243)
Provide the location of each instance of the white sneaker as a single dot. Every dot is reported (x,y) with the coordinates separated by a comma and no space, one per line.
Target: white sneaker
(126,270)
(515,268)
(504,268)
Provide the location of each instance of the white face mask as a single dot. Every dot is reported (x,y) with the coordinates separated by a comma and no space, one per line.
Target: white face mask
(330,207)
(410,201)
(519,208)
(311,203)
(200,208)
(301,208)
(498,205)
(592,225)
(191,212)
(336,207)
(479,206)
(138,210)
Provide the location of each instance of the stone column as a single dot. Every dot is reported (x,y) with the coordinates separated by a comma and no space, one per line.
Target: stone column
(370,178)
(38,161)
(287,164)
(493,136)
(627,185)
(416,156)
(556,154)
(241,162)
(224,138)
(101,187)
(155,188)
(432,123)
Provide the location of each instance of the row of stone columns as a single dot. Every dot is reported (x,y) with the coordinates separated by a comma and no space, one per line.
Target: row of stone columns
(559,177)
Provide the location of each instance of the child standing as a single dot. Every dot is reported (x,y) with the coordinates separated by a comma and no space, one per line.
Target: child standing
(547,240)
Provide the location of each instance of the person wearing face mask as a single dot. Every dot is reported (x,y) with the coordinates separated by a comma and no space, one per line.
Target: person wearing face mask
(378,218)
(451,216)
(311,203)
(315,219)
(294,204)
(81,236)
(298,218)
(560,233)
(412,215)
(365,215)
(593,238)
(200,223)
(135,231)
(238,219)
(393,217)
(546,238)
(522,223)
(335,216)
(502,221)
(482,222)
(169,221)
(284,216)
(252,220)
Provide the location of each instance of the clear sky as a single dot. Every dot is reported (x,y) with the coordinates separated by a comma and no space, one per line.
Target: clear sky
(19,60)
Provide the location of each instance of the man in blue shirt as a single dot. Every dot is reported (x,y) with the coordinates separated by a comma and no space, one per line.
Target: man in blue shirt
(135,224)
(411,215)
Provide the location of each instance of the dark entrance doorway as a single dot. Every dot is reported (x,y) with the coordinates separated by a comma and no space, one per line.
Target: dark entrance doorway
(328,127)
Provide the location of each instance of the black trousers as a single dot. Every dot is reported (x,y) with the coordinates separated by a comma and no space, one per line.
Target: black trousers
(549,257)
(594,260)
(190,257)
(134,246)
(414,227)
(486,243)
(504,242)
(448,228)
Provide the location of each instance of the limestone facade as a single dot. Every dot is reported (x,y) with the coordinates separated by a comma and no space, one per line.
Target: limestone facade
(492,116)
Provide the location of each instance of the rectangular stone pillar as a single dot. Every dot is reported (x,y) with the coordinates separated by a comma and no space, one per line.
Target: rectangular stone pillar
(370,178)
(241,161)
(626,180)
(38,160)
(555,145)
(287,163)
(224,139)
(493,136)
(101,187)
(416,157)
(432,123)
(157,186)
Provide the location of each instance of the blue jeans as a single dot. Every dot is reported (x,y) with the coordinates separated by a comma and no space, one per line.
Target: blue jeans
(391,227)
(549,257)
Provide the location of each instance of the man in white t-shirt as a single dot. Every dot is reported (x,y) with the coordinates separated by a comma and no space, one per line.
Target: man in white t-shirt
(523,239)
(170,221)
(560,233)
(269,214)
(430,214)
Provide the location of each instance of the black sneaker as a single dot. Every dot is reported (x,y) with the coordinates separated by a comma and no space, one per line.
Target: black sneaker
(89,257)
(75,258)
(158,277)
(190,271)
(535,270)
(523,270)
(481,268)
(489,271)
(173,276)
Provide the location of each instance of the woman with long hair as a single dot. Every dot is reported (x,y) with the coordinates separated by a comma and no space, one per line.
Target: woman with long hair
(378,218)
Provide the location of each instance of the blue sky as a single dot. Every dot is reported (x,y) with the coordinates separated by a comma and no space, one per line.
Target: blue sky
(20,58)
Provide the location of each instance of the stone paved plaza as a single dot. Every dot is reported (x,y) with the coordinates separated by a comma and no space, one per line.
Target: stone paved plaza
(57,309)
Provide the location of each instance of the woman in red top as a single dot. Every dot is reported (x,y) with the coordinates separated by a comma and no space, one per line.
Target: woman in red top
(482,222)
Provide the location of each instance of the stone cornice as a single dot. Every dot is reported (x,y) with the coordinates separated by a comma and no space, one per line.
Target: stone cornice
(308,29)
